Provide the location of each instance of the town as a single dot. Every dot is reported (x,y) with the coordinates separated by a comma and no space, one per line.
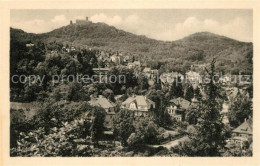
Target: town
(129,108)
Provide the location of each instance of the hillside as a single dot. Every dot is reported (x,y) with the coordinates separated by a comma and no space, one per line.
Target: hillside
(197,48)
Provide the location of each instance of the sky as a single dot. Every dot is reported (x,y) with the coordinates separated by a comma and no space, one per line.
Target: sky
(160,24)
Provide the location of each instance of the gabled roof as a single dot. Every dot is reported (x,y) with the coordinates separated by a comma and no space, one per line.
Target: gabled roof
(139,100)
(185,104)
(244,128)
(102,102)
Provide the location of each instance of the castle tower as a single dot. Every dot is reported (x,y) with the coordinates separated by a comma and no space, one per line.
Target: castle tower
(70,22)
(87,19)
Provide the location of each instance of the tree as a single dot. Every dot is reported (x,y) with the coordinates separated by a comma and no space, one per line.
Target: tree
(192,115)
(142,82)
(197,93)
(176,89)
(209,138)
(157,83)
(240,110)
(123,125)
(97,123)
(146,132)
(189,93)
(162,118)
(109,94)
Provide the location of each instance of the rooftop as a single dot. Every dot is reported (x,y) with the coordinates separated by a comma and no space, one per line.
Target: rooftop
(102,102)
(244,128)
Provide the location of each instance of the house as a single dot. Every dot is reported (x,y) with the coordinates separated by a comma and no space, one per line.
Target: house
(108,106)
(101,71)
(175,112)
(177,108)
(114,58)
(147,70)
(243,132)
(137,64)
(130,65)
(54,52)
(67,49)
(29,45)
(183,103)
(126,58)
(72,49)
(139,104)
(233,92)
(154,72)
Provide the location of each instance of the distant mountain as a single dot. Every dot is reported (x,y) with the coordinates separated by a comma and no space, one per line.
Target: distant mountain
(232,55)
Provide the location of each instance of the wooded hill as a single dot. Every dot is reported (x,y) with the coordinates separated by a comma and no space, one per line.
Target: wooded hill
(198,48)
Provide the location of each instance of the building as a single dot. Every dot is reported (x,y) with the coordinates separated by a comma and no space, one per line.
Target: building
(130,65)
(181,102)
(243,132)
(29,45)
(81,21)
(177,108)
(137,64)
(126,58)
(108,106)
(139,104)
(114,58)
(102,71)
(147,70)
(233,92)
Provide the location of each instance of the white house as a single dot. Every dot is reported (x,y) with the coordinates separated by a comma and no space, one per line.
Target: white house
(139,104)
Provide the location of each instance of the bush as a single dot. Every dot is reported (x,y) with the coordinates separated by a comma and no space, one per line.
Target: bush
(59,142)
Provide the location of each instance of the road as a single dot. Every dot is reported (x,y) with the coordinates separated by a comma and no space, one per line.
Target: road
(170,144)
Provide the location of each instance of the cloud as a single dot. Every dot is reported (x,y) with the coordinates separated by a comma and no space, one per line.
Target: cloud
(39,25)
(58,19)
(131,23)
(236,28)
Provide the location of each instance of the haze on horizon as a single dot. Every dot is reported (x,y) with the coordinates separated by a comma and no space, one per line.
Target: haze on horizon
(160,24)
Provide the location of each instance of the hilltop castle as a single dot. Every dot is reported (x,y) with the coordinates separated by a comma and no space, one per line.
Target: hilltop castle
(80,21)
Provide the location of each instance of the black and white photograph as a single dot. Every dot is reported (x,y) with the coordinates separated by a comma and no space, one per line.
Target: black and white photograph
(131,82)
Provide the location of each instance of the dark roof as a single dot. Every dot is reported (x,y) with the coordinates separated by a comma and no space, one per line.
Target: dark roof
(102,102)
(185,104)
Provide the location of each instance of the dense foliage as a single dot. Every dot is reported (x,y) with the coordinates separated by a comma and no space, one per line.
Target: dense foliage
(178,55)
